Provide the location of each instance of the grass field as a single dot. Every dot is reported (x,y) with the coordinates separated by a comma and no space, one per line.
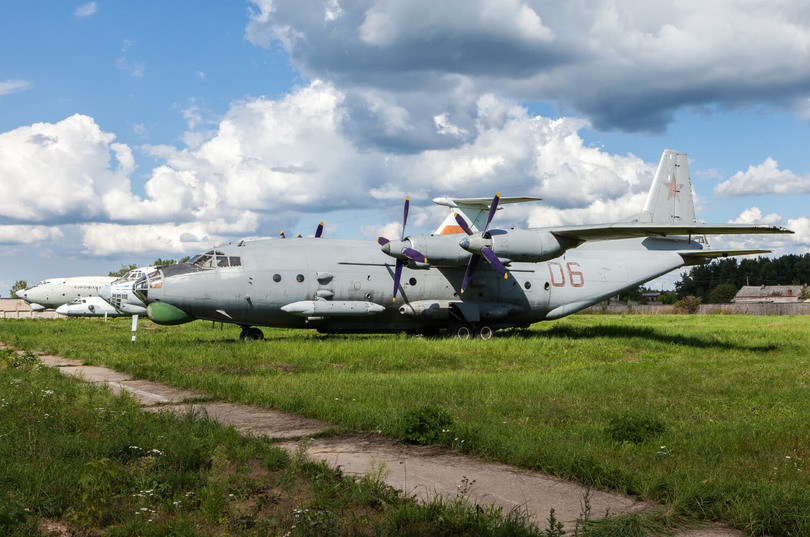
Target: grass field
(707,414)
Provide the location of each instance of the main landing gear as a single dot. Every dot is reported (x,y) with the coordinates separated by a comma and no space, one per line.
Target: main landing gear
(460,330)
(251,334)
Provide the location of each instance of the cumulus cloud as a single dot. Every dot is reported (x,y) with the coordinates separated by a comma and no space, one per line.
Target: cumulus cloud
(85,10)
(753,215)
(11,86)
(52,172)
(765,178)
(29,234)
(622,64)
(106,239)
(269,160)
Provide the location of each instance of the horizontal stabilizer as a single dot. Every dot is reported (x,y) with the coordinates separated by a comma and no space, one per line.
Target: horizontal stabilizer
(624,230)
(479,203)
(702,255)
(474,211)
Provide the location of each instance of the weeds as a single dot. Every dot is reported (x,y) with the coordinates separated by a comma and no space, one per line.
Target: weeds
(426,425)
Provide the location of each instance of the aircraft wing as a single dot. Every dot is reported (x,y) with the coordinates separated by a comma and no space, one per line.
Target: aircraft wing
(626,230)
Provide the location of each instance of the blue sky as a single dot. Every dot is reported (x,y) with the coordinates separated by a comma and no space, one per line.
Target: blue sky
(131,131)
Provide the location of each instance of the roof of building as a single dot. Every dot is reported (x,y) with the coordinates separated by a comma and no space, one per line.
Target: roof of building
(771,292)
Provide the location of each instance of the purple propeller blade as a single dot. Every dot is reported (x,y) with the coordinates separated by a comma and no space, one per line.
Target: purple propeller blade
(282,235)
(470,271)
(405,216)
(413,254)
(319,231)
(487,252)
(492,208)
(382,241)
(463,224)
(397,276)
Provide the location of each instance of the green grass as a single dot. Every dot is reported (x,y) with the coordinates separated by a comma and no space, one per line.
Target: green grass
(707,414)
(73,452)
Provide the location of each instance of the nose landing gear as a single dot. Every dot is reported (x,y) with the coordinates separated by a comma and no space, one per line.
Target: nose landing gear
(251,334)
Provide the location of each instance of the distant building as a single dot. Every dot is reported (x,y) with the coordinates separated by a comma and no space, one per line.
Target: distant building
(14,304)
(772,293)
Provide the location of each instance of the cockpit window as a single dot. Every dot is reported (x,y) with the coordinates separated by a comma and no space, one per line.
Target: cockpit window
(215,258)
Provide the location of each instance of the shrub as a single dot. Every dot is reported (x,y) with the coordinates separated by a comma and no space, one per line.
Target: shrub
(426,425)
(688,304)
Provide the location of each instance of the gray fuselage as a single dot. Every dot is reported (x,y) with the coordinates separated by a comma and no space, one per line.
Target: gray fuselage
(270,274)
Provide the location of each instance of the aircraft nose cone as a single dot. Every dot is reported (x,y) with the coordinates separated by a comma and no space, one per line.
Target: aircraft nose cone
(105,292)
(63,309)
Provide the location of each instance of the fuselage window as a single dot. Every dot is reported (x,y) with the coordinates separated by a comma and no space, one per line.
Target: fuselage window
(235,261)
(222,261)
(527,285)
(412,282)
(276,278)
(299,278)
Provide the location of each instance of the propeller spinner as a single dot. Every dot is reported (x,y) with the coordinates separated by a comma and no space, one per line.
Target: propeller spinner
(480,245)
(400,251)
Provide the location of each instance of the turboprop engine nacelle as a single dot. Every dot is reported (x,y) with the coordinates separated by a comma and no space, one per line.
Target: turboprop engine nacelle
(441,250)
(529,245)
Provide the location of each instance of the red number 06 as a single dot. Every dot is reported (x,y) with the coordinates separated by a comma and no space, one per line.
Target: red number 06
(557,274)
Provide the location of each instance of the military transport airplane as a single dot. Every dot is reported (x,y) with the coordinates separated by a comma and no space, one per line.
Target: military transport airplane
(439,281)
(54,292)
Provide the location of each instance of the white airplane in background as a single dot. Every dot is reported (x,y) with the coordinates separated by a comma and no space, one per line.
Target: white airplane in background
(54,292)
(91,306)
(119,295)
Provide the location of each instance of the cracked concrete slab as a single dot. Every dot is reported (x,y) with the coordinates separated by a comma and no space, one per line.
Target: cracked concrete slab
(94,373)
(255,420)
(58,361)
(153,393)
(427,471)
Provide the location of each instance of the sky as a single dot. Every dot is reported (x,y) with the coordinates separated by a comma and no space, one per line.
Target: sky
(131,131)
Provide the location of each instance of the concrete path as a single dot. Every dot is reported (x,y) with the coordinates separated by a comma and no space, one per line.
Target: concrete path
(417,470)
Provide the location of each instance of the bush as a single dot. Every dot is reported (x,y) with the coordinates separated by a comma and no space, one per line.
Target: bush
(426,425)
(688,304)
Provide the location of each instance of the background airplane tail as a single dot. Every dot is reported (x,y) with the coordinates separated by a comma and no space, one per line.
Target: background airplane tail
(670,198)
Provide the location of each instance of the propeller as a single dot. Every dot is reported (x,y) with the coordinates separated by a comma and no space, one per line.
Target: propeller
(318,233)
(480,246)
(403,253)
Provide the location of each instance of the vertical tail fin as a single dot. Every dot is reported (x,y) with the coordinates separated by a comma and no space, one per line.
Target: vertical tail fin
(670,198)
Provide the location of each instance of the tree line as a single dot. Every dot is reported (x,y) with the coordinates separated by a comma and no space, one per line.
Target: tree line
(715,281)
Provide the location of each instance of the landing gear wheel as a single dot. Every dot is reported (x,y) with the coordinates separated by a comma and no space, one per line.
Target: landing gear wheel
(484,332)
(460,331)
(251,334)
